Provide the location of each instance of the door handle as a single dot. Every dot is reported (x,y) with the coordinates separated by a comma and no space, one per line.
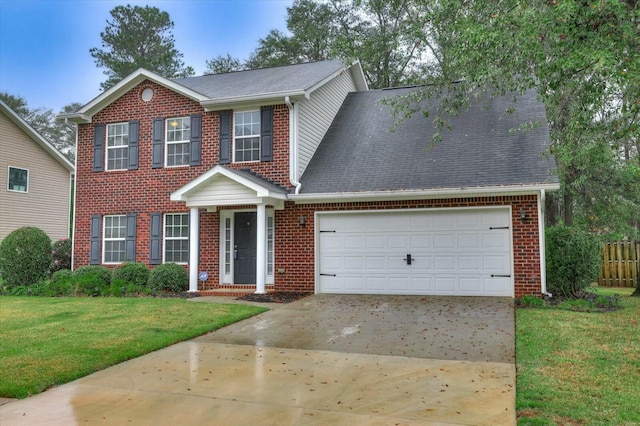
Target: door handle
(235,252)
(408,259)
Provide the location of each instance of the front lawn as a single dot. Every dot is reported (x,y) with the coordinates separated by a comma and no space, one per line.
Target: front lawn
(50,341)
(578,368)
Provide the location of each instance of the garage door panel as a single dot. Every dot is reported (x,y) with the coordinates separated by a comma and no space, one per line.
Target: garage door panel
(453,252)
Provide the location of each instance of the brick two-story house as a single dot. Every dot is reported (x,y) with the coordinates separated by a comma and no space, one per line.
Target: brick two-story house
(290,178)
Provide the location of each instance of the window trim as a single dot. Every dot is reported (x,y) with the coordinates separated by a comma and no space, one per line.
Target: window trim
(165,238)
(235,138)
(107,148)
(182,142)
(26,190)
(105,239)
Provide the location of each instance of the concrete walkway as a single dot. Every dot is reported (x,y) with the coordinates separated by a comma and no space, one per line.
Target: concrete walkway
(321,360)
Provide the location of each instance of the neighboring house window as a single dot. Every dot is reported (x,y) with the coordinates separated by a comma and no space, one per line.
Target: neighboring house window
(115,228)
(176,237)
(178,141)
(246,136)
(18,179)
(117,146)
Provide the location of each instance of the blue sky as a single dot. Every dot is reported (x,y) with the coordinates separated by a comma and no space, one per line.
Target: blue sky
(44,44)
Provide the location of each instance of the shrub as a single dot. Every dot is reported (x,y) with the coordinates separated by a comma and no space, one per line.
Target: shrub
(573,260)
(25,257)
(136,274)
(92,280)
(61,283)
(130,289)
(169,277)
(61,253)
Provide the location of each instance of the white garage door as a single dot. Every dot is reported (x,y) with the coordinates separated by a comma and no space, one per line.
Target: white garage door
(461,252)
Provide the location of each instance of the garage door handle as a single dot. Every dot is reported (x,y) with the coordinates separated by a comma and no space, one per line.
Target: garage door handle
(328,275)
(408,259)
(501,276)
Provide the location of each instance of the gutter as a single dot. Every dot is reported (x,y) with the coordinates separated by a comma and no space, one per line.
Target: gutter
(293,144)
(422,194)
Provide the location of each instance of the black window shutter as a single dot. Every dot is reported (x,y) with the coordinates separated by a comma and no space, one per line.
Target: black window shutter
(98,148)
(155,252)
(94,238)
(134,131)
(196,140)
(130,238)
(157,146)
(225,137)
(266,134)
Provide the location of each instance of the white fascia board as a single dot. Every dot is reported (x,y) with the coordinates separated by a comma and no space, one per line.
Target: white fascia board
(33,134)
(422,194)
(182,194)
(84,114)
(358,77)
(233,102)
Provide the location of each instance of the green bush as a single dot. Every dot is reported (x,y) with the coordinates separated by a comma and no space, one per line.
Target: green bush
(25,257)
(169,277)
(61,253)
(61,283)
(92,280)
(130,289)
(136,274)
(573,260)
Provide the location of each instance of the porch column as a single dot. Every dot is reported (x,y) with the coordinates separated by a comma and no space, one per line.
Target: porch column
(261,249)
(194,248)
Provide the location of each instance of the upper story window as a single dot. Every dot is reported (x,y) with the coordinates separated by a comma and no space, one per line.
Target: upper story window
(117,157)
(178,131)
(246,136)
(18,179)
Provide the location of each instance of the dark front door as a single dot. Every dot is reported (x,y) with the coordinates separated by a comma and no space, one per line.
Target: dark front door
(245,234)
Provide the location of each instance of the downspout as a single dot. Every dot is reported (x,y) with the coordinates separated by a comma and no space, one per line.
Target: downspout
(541,242)
(293,144)
(73,193)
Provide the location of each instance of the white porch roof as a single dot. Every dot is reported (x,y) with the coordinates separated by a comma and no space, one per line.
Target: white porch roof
(222,186)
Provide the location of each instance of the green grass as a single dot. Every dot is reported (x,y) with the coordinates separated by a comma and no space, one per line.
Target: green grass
(50,341)
(579,368)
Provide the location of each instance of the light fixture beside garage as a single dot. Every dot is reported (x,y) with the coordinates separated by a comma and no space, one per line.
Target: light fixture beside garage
(523,215)
(302,220)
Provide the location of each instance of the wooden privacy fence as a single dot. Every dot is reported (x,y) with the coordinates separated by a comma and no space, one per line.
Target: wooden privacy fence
(620,264)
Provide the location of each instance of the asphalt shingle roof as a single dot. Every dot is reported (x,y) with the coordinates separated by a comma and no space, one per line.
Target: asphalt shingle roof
(262,81)
(361,153)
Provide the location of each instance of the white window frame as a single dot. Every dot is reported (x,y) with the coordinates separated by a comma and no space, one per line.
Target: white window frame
(123,238)
(186,142)
(165,238)
(227,243)
(242,137)
(26,188)
(110,149)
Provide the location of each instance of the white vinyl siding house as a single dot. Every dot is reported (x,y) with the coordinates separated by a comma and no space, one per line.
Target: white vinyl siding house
(45,203)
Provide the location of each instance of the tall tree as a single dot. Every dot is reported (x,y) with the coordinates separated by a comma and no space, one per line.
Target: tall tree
(583,58)
(138,37)
(43,120)
(311,25)
(222,64)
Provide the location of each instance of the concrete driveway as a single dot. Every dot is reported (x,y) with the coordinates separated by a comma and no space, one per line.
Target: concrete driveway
(321,360)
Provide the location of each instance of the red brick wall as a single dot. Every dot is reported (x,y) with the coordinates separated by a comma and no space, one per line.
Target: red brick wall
(294,244)
(146,190)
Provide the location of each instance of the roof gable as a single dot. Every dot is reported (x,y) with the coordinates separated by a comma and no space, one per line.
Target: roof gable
(37,137)
(361,153)
(222,91)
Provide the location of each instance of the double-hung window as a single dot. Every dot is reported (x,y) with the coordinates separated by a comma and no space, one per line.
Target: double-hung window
(176,237)
(117,157)
(115,229)
(18,179)
(246,136)
(178,141)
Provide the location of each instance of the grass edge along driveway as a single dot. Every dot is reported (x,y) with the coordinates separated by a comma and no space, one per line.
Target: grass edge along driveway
(50,341)
(579,368)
